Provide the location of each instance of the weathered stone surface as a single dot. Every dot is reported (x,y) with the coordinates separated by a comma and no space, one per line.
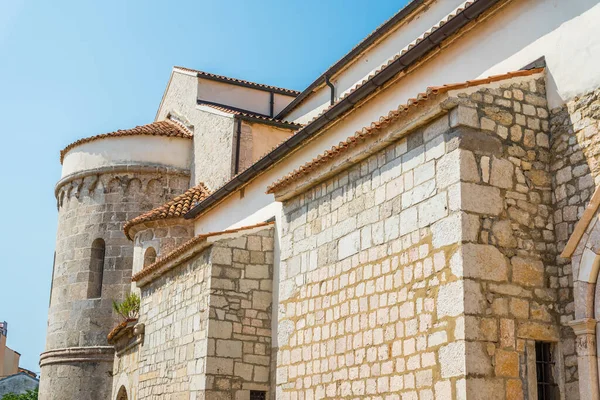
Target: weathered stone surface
(481,199)
(537,331)
(502,173)
(503,233)
(507,363)
(527,272)
(450,299)
(93,209)
(484,262)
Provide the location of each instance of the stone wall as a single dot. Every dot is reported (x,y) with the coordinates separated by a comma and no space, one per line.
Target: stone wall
(208,323)
(513,286)
(214,148)
(428,270)
(91,206)
(163,236)
(361,276)
(175,311)
(575,168)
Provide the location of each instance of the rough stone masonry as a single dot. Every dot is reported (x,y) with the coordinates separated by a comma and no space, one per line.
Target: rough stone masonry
(207,324)
(428,270)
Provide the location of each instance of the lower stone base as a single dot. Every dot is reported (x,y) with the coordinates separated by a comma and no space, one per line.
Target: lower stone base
(80,373)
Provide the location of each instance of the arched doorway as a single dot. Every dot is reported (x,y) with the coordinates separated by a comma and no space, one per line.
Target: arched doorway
(122,394)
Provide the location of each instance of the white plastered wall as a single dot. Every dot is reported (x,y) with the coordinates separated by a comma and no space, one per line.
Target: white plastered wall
(565,32)
(258,101)
(129,150)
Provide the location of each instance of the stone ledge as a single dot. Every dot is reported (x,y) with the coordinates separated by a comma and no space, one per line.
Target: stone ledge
(77,354)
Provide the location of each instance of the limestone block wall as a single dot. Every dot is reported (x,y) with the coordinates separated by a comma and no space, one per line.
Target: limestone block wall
(239,326)
(512,283)
(428,270)
(208,323)
(575,170)
(174,310)
(94,205)
(370,304)
(126,373)
(575,167)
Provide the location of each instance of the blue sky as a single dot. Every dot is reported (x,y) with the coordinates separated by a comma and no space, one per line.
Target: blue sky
(72,69)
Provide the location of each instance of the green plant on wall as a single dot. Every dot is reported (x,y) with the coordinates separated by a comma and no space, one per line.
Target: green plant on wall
(128,308)
(29,395)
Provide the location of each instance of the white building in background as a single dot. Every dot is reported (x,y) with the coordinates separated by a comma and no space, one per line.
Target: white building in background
(420,222)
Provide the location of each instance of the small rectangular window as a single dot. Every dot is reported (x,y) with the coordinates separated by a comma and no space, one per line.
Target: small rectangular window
(258,395)
(547,388)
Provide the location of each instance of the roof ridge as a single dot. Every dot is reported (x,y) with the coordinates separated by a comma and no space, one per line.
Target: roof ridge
(224,108)
(237,80)
(157,128)
(385,120)
(174,208)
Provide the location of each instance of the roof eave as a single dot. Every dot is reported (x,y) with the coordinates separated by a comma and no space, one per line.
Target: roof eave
(348,102)
(364,45)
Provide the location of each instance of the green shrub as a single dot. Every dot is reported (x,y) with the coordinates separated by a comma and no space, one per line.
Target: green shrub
(128,308)
(29,395)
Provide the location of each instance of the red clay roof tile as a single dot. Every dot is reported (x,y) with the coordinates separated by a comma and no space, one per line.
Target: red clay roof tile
(175,208)
(384,121)
(161,128)
(246,114)
(235,80)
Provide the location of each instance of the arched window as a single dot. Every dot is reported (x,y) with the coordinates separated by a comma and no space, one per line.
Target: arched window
(96,272)
(52,281)
(149,256)
(122,394)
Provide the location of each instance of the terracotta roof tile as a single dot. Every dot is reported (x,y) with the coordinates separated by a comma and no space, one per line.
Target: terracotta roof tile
(385,121)
(246,114)
(119,327)
(177,207)
(235,80)
(161,128)
(188,245)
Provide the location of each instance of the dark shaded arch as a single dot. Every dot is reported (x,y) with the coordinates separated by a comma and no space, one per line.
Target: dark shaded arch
(122,394)
(149,256)
(96,271)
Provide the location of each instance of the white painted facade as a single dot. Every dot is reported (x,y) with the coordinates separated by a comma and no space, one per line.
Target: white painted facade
(519,33)
(245,98)
(565,32)
(129,150)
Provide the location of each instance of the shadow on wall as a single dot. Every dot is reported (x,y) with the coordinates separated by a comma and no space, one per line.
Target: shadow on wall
(575,166)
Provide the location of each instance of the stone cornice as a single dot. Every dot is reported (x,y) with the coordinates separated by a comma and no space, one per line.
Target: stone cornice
(582,225)
(119,169)
(77,354)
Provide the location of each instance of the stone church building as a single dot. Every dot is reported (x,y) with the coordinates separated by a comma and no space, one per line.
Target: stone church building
(421,222)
